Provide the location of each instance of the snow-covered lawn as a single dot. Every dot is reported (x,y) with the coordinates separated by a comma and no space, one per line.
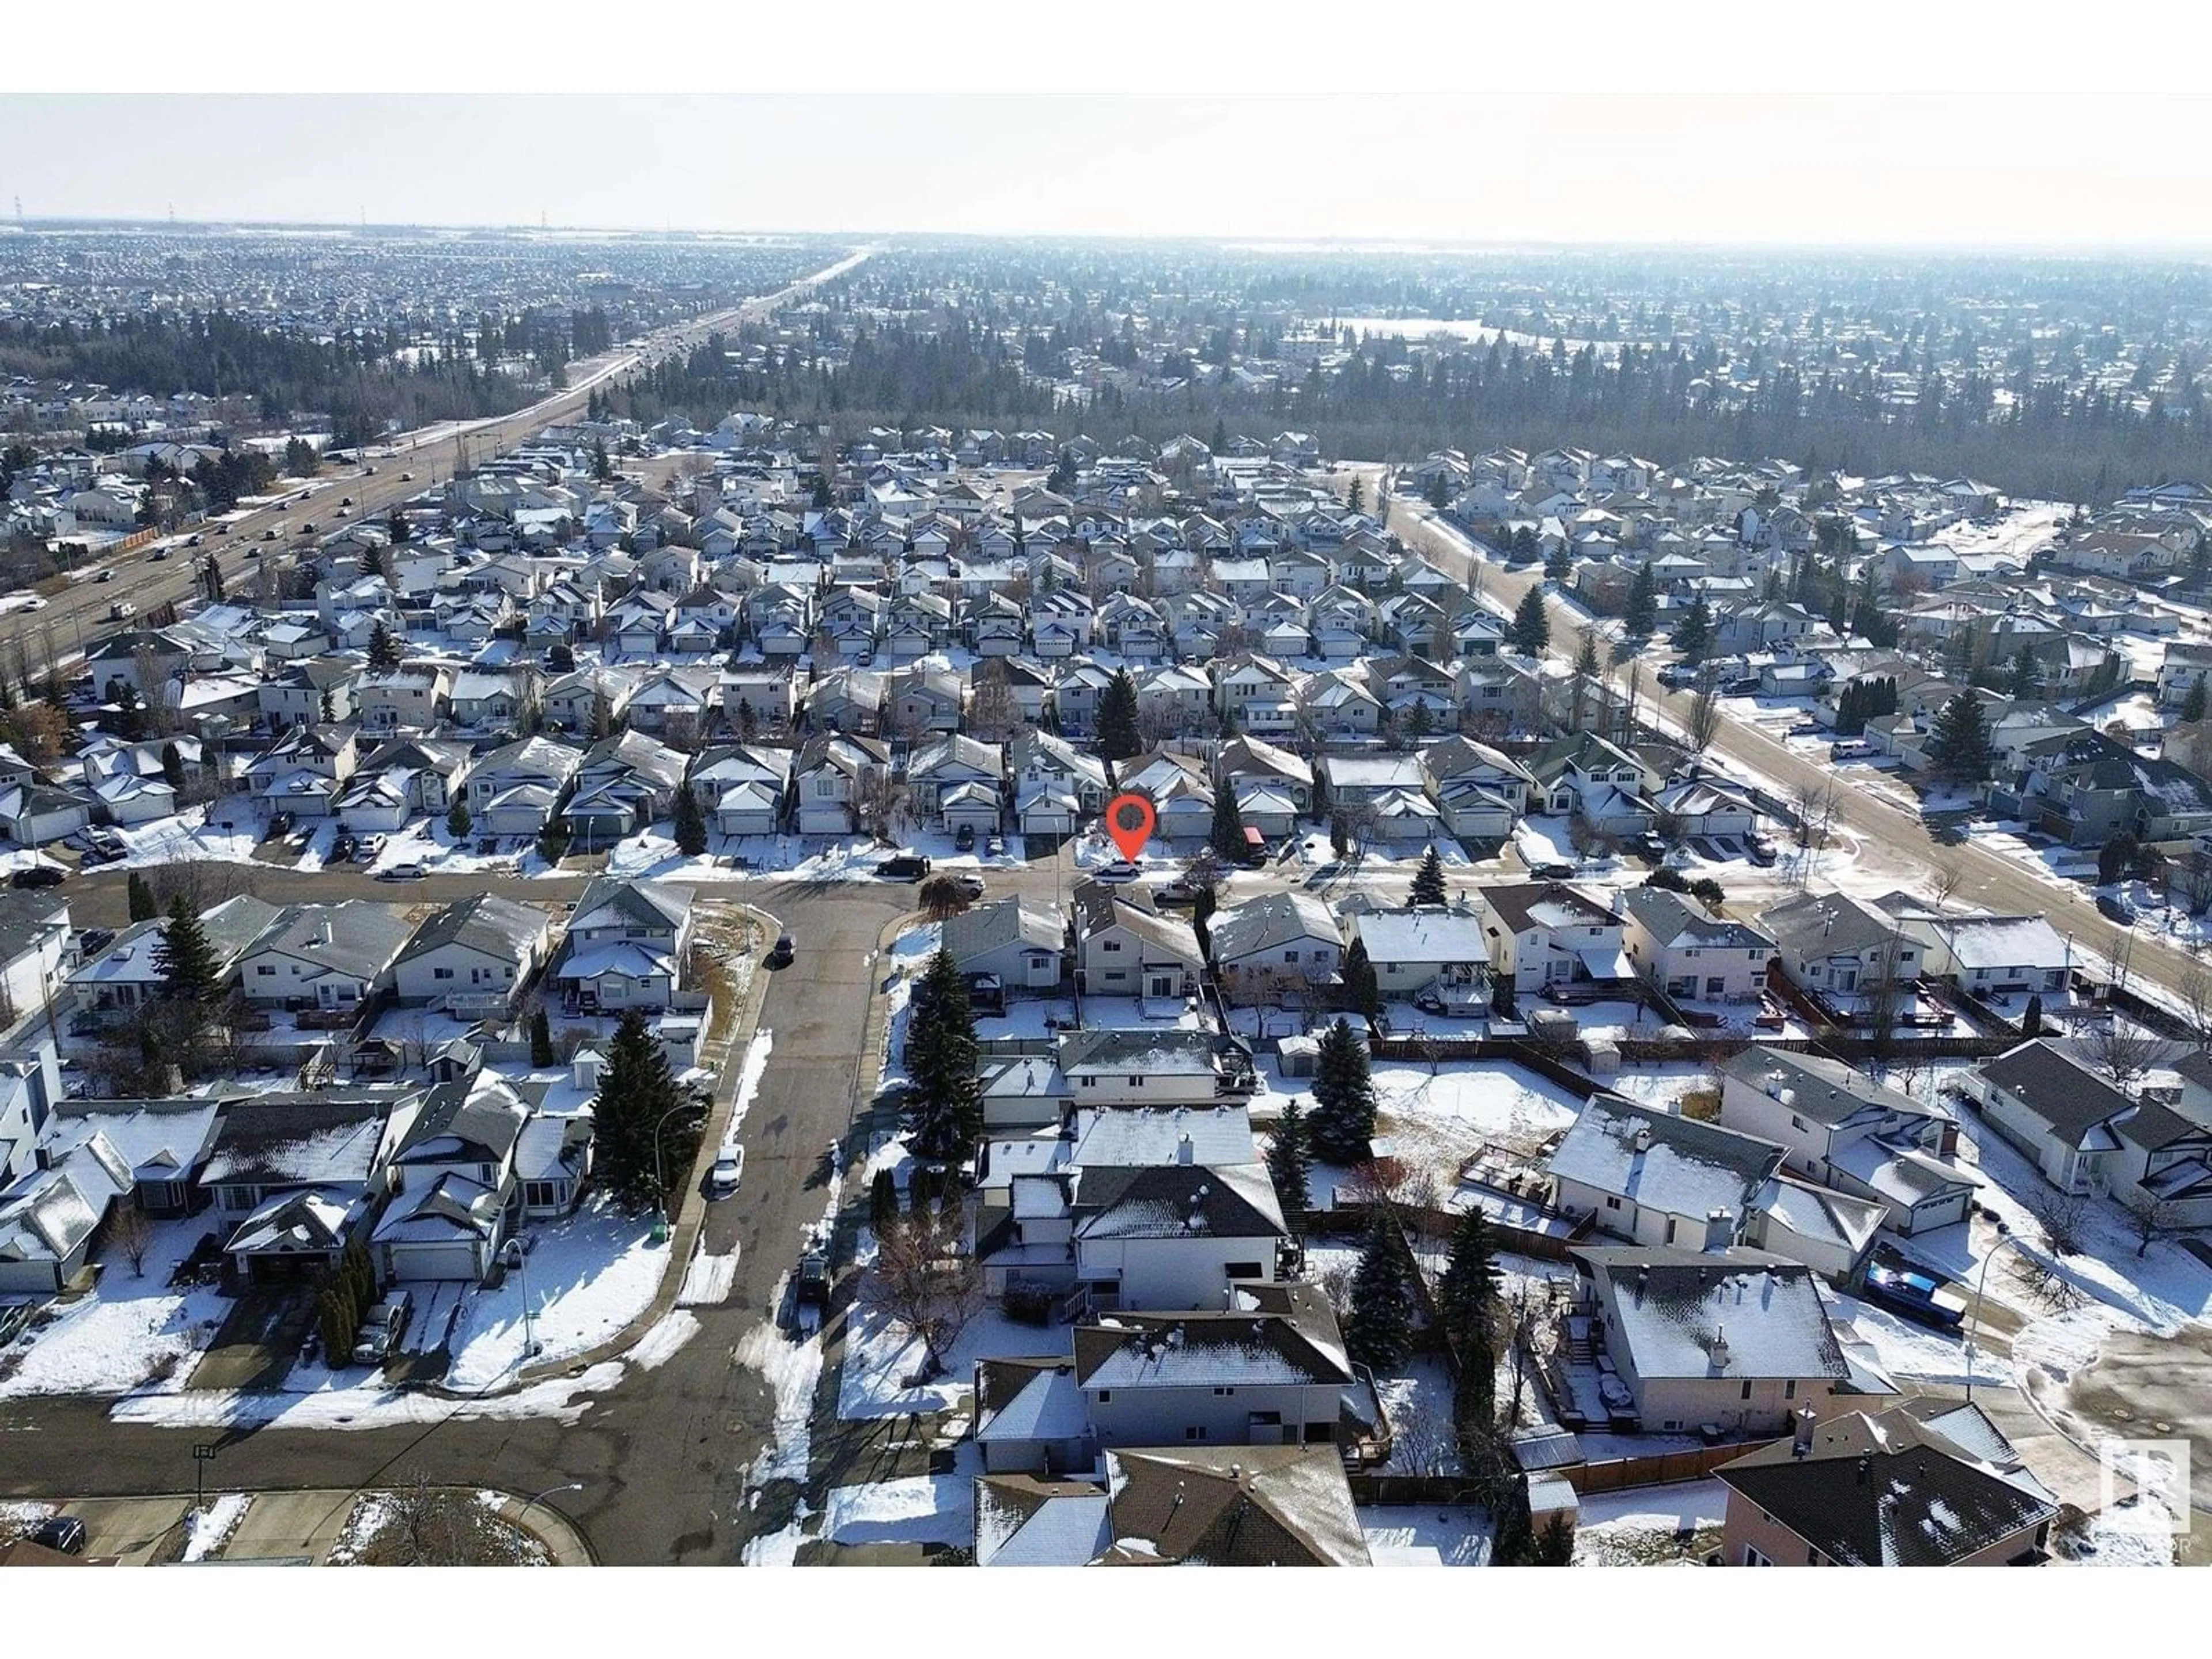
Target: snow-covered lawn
(2136,1532)
(879,1358)
(927,1509)
(1438,1122)
(184,836)
(207,1530)
(130,1333)
(1904,1351)
(1418,1400)
(1638,1528)
(565,1398)
(1422,1535)
(589,1274)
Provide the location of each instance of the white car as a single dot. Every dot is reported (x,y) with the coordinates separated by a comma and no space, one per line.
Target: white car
(1117,873)
(729,1170)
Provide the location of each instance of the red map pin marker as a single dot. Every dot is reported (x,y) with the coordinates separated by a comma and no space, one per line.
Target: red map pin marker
(1129,821)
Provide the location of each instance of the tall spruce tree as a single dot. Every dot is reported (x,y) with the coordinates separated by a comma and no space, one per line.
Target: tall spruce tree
(1693,634)
(1960,744)
(690,824)
(383,650)
(1226,837)
(638,1108)
(1641,615)
(1363,993)
(541,1038)
(1378,1327)
(2025,682)
(1467,1294)
(1118,738)
(1531,632)
(1290,1161)
(944,1113)
(1344,1097)
(2193,705)
(1429,879)
(186,961)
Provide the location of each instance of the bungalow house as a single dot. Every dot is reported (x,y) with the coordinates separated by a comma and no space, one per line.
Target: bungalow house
(473,957)
(1180,790)
(1427,953)
(1838,1127)
(1928,1483)
(1277,944)
(1691,951)
(1121,951)
(330,957)
(1012,946)
(1148,1067)
(125,977)
(1479,791)
(1645,1175)
(1984,955)
(1837,946)
(1701,806)
(1541,933)
(293,1176)
(2059,1112)
(1734,1339)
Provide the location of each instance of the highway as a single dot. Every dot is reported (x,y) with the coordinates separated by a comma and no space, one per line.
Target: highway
(1989,879)
(407,467)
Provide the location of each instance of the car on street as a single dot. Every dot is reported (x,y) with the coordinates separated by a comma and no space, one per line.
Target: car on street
(191,541)
(407,477)
(158,555)
(272,534)
(62,1534)
(971,885)
(904,867)
(381,1327)
(783,951)
(728,1170)
(401,872)
(345,501)
(1117,874)
(2113,907)
(104,576)
(1181,890)
(1553,871)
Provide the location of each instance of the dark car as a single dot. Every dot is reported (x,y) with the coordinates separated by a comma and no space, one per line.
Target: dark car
(786,948)
(39,875)
(62,1534)
(964,839)
(2113,907)
(1552,871)
(904,867)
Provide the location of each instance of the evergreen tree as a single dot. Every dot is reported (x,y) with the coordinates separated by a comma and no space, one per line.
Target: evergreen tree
(1428,880)
(883,1201)
(2193,706)
(1362,994)
(144,905)
(1355,500)
(944,1113)
(1641,615)
(185,959)
(383,650)
(337,1321)
(1378,1327)
(2025,682)
(458,820)
(1693,634)
(1344,1097)
(690,824)
(1531,632)
(1513,1543)
(1559,567)
(541,1039)
(1467,1294)
(1227,836)
(1960,744)
(1117,719)
(1290,1161)
(637,1110)
(2031,1022)
(1555,1544)
(173,768)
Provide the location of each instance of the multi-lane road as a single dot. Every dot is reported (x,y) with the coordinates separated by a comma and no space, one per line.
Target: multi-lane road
(406,467)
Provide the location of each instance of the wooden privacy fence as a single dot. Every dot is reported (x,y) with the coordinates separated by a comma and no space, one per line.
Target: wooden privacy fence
(1661,1469)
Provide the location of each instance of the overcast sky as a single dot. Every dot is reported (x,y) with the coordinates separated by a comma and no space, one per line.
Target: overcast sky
(1974,137)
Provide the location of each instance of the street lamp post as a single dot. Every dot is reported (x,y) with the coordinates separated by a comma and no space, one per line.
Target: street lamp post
(659,1178)
(518,1258)
(2005,1235)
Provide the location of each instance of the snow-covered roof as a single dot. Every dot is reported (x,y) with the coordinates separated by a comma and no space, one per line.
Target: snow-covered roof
(1737,1313)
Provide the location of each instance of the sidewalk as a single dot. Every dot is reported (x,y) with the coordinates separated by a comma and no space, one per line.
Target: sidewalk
(692,1208)
(292,1528)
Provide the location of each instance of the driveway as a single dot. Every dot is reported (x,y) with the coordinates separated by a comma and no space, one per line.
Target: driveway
(259,1341)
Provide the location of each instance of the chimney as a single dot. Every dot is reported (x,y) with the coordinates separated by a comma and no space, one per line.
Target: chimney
(1720,1348)
(1184,1152)
(323,935)
(1644,1138)
(1800,1444)
(1720,1229)
(1774,1085)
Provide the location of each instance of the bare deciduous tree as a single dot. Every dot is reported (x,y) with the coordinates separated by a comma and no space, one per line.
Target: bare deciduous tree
(2122,1050)
(926,1284)
(1703,724)
(131,1235)
(1943,880)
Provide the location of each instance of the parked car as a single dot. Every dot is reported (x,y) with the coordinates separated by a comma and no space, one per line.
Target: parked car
(1178,891)
(971,885)
(785,948)
(1552,871)
(39,875)
(345,501)
(381,1327)
(280,823)
(1117,874)
(407,477)
(341,849)
(1914,1295)
(1651,845)
(191,541)
(964,839)
(62,1534)
(1762,851)
(366,849)
(401,872)
(904,867)
(995,846)
(729,1170)
(2113,907)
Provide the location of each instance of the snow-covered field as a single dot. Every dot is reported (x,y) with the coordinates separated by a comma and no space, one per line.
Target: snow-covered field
(590,1274)
(123,1335)
(1633,1528)
(1420,1535)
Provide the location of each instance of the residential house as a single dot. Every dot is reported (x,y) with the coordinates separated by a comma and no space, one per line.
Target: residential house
(626,945)
(1123,951)
(330,957)
(515,789)
(1278,946)
(833,775)
(1691,951)
(1013,945)
(293,1176)
(1645,1175)
(1541,933)
(474,957)
(453,1184)
(1835,946)
(1116,1067)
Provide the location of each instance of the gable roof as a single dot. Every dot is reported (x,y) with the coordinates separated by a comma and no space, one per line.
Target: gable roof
(1663,1162)
(1232,1506)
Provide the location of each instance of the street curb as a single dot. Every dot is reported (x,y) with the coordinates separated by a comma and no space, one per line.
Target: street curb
(691,1211)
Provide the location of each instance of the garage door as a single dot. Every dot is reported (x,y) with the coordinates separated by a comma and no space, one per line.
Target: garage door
(439,1260)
